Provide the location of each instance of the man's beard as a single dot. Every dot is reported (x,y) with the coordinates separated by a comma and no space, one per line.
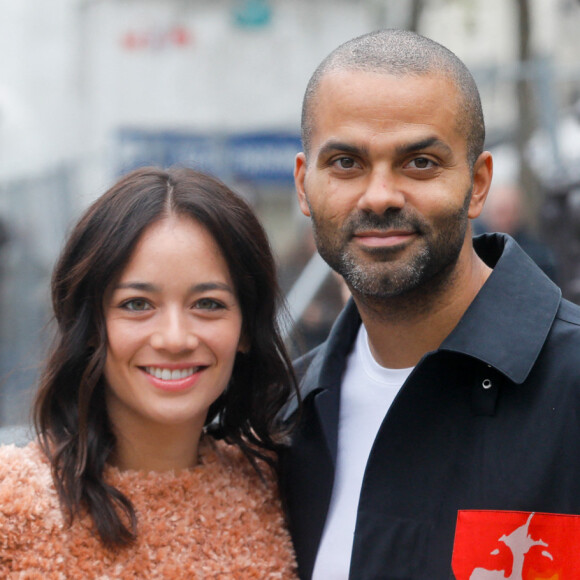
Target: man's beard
(384,275)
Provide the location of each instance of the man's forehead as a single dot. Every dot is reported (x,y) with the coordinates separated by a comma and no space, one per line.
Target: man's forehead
(385,89)
(362,76)
(381,97)
(428,94)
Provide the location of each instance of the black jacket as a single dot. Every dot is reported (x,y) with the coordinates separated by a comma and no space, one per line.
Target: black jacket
(490,420)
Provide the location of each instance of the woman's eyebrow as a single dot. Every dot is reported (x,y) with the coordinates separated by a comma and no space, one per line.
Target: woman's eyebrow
(148,287)
(141,286)
(205,286)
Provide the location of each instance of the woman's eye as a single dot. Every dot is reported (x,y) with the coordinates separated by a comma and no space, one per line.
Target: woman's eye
(208,304)
(136,305)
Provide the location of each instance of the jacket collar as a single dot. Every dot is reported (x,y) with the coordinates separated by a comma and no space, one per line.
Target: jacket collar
(505,326)
(507,323)
(324,376)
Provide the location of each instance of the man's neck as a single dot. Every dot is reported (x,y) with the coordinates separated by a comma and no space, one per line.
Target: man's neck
(403,328)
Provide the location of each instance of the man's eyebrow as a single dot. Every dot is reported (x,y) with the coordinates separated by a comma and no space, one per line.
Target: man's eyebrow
(338,146)
(429,142)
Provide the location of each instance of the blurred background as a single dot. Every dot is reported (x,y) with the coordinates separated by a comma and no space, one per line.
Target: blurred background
(92,88)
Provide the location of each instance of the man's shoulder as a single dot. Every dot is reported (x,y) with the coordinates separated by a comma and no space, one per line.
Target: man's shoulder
(335,348)
(307,364)
(565,333)
(563,343)
(303,363)
(569,313)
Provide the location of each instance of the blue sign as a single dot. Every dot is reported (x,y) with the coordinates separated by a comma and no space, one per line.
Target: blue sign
(137,148)
(263,157)
(255,157)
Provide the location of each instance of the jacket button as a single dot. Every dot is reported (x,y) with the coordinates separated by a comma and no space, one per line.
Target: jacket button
(487,384)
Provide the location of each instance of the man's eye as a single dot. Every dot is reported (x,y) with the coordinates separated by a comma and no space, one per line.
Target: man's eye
(136,305)
(345,162)
(422,163)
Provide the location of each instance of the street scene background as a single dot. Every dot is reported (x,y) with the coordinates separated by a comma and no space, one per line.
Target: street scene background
(90,89)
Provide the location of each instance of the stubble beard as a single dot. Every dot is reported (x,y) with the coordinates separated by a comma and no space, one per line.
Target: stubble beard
(373,282)
(382,276)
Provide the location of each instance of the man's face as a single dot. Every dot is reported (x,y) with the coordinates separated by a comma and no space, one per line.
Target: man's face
(387,182)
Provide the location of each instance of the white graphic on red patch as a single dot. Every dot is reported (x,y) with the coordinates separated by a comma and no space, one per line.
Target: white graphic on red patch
(519,543)
(510,545)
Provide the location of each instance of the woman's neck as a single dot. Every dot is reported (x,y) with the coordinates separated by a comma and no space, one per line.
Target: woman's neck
(156,447)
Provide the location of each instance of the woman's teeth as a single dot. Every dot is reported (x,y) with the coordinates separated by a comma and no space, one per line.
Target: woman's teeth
(170,375)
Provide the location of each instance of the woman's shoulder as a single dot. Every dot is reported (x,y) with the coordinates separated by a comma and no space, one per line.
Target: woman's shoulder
(218,457)
(26,489)
(26,464)
(247,506)
(23,471)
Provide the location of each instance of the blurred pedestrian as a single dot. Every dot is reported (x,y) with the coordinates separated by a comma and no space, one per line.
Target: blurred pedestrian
(504,212)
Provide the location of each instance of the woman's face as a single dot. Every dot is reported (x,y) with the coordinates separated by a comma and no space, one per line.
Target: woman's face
(174,328)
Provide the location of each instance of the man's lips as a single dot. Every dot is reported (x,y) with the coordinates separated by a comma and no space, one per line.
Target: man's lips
(383,238)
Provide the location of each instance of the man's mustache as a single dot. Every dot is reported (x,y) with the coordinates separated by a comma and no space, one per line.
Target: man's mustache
(390,220)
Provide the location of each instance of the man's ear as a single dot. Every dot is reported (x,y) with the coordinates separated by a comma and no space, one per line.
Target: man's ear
(299,177)
(482,174)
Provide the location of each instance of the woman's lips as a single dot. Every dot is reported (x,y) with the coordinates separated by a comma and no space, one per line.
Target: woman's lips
(171,374)
(173,379)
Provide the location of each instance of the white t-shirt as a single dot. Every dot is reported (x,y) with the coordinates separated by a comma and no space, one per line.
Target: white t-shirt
(367,392)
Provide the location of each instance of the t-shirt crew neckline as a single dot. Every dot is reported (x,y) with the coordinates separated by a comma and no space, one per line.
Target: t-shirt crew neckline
(373,369)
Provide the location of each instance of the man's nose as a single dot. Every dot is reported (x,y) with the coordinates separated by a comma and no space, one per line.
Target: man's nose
(382,192)
(175,333)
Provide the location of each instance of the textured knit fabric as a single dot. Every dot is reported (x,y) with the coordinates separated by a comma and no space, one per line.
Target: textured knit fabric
(217,520)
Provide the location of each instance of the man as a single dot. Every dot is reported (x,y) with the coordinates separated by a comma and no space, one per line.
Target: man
(460,389)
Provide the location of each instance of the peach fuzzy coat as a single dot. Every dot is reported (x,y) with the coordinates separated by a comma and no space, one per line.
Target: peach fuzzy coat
(217,520)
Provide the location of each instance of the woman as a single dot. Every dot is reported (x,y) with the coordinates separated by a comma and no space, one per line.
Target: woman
(165,299)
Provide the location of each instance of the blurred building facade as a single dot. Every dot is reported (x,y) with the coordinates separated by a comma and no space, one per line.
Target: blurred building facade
(91,88)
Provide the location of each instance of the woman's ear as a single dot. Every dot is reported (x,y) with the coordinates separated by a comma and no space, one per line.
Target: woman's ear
(244,345)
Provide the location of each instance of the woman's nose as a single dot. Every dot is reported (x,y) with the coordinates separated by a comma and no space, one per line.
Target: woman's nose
(175,333)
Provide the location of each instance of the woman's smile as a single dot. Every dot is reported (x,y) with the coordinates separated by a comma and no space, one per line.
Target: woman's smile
(171,375)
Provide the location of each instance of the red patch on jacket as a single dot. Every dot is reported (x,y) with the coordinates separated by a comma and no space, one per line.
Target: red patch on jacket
(503,545)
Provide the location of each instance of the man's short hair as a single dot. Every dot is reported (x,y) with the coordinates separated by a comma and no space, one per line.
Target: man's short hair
(402,53)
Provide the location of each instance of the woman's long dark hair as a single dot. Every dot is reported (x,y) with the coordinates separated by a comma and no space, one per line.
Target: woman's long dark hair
(70,413)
